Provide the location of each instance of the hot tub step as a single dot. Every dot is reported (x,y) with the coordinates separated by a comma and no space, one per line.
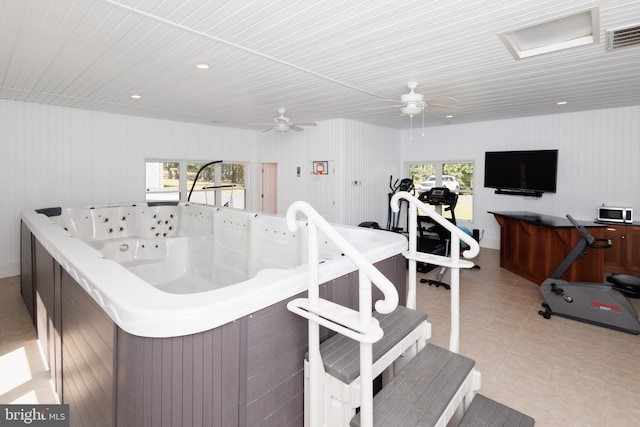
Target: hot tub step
(341,355)
(405,333)
(426,392)
(485,412)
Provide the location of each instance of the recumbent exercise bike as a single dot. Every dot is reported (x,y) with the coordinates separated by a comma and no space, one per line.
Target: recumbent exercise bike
(595,303)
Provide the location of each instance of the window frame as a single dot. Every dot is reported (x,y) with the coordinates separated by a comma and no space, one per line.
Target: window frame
(184,183)
(438,166)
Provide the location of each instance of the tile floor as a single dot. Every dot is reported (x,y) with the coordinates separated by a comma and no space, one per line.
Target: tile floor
(24,377)
(562,372)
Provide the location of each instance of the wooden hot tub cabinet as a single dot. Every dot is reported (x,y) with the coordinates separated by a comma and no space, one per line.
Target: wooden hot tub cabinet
(248,372)
(533,245)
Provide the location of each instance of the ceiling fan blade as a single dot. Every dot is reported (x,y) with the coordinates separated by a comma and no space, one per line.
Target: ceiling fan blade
(295,128)
(266,130)
(441,100)
(303,124)
(395,101)
(383,107)
(441,117)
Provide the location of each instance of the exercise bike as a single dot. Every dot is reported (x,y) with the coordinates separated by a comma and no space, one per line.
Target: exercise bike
(595,303)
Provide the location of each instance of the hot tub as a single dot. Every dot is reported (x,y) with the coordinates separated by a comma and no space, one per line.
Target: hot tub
(161,271)
(173,298)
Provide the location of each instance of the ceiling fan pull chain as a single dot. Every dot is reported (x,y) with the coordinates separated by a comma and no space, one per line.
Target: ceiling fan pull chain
(411,128)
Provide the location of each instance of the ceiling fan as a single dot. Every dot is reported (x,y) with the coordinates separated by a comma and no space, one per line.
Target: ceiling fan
(413,103)
(282,124)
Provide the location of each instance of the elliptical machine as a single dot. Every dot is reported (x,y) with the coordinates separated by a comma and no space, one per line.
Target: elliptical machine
(393,219)
(595,303)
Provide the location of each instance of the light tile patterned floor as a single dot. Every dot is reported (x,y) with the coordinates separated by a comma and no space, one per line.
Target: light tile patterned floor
(559,371)
(562,372)
(24,378)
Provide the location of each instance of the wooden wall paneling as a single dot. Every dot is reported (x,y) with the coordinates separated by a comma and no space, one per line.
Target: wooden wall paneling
(232,379)
(56,331)
(198,383)
(27,283)
(394,269)
(400,279)
(342,290)
(176,379)
(211,393)
(44,298)
(166,373)
(184,380)
(274,378)
(87,357)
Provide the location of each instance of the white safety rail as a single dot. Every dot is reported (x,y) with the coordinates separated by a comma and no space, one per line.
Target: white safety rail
(453,261)
(357,325)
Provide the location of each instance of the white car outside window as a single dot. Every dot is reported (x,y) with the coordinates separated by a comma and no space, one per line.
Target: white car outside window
(448,181)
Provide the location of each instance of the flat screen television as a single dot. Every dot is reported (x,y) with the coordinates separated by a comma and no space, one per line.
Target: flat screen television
(521,172)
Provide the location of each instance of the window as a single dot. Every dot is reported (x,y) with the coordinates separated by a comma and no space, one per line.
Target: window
(162,181)
(219,183)
(456,176)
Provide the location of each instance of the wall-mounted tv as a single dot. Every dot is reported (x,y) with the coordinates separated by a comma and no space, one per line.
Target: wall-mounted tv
(521,172)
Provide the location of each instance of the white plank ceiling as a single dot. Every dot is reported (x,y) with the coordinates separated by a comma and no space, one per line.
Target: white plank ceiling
(318,59)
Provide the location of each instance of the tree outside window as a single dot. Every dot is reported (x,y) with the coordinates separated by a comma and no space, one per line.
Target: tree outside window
(428,174)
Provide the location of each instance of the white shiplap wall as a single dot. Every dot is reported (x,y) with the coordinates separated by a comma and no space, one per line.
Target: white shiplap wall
(372,155)
(57,156)
(598,158)
(291,150)
(360,152)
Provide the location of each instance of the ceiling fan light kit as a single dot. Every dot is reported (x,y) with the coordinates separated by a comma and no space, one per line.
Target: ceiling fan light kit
(412,109)
(414,103)
(282,124)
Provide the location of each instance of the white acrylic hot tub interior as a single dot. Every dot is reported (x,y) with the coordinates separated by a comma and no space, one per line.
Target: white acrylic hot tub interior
(190,248)
(161,271)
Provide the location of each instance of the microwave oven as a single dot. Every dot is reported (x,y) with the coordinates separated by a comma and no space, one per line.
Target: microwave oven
(615,214)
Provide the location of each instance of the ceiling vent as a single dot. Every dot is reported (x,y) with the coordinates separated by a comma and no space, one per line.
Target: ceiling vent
(623,37)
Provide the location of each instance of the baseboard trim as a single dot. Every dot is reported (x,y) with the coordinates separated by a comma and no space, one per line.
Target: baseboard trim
(9,269)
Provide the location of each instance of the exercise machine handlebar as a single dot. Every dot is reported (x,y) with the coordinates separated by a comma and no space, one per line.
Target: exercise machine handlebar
(592,242)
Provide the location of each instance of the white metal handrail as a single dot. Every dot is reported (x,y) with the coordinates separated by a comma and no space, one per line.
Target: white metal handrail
(453,261)
(360,325)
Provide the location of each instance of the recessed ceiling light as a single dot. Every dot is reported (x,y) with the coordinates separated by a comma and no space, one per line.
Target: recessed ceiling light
(449,116)
(573,30)
(202,66)
(562,102)
(136,96)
